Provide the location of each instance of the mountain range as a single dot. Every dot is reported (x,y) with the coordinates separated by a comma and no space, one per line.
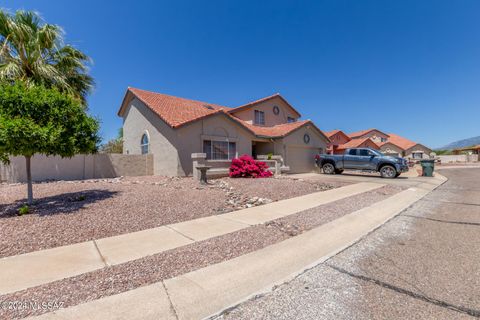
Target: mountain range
(462,143)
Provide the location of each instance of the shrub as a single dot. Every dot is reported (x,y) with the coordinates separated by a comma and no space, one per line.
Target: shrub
(23,210)
(247,167)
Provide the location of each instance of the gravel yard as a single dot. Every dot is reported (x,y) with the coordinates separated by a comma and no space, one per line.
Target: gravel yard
(178,261)
(68,212)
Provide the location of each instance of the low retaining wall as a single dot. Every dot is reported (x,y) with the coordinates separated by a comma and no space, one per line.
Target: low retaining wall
(78,167)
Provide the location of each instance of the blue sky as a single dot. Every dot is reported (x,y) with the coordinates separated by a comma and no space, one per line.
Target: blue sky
(409,67)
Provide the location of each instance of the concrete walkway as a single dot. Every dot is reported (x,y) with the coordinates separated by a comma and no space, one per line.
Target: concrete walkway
(45,266)
(210,290)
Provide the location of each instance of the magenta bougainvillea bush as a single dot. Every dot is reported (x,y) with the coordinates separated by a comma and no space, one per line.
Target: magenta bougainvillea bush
(247,167)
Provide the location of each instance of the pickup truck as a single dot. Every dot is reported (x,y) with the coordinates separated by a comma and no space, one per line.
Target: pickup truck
(364,159)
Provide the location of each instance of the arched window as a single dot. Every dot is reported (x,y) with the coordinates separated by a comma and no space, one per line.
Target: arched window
(145,144)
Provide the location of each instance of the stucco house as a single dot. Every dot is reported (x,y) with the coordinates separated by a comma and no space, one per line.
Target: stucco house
(405,147)
(388,143)
(394,144)
(172,128)
(340,141)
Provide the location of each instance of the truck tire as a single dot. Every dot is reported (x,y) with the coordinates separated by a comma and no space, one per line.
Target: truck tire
(328,168)
(387,171)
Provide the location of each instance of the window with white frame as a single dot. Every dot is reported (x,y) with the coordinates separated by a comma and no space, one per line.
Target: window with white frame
(145,144)
(417,155)
(219,150)
(259,117)
(290,119)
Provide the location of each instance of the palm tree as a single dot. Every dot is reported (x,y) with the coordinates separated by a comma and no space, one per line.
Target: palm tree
(34,52)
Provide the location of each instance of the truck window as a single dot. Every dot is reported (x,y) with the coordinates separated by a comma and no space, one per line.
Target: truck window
(363,152)
(352,152)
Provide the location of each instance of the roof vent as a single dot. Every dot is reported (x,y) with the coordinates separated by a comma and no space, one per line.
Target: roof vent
(209,107)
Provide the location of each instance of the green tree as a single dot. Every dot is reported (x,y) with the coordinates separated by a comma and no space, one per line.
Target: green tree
(33,51)
(35,119)
(114,145)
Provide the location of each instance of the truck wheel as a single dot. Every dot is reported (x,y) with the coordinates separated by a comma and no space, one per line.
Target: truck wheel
(388,172)
(328,168)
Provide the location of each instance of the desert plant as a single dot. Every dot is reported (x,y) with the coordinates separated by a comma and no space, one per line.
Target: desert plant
(23,210)
(247,167)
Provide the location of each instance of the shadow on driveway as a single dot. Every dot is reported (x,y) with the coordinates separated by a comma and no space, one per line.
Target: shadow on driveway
(368,175)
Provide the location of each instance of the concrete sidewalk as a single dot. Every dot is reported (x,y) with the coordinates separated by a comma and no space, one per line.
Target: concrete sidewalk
(45,266)
(210,290)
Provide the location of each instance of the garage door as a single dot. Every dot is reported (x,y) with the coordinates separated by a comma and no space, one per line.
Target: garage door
(301,159)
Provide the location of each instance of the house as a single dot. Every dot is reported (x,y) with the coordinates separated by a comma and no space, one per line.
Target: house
(388,143)
(394,144)
(337,138)
(410,149)
(340,141)
(172,128)
(375,135)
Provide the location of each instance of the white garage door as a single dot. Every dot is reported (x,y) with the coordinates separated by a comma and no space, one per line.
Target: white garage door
(301,159)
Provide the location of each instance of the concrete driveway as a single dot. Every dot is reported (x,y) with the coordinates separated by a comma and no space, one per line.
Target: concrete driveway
(423,264)
(408,179)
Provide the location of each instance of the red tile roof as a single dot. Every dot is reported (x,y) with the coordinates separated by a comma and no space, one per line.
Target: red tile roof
(280,130)
(401,142)
(175,111)
(331,133)
(364,132)
(355,143)
(381,144)
(251,104)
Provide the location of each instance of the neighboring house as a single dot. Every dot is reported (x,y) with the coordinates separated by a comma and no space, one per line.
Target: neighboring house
(337,138)
(172,128)
(411,149)
(375,135)
(390,143)
(391,149)
(394,144)
(341,141)
(357,143)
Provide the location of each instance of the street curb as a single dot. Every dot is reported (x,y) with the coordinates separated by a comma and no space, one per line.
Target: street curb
(327,257)
(208,292)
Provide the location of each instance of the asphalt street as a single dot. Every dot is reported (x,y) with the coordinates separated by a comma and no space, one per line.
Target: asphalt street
(422,264)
